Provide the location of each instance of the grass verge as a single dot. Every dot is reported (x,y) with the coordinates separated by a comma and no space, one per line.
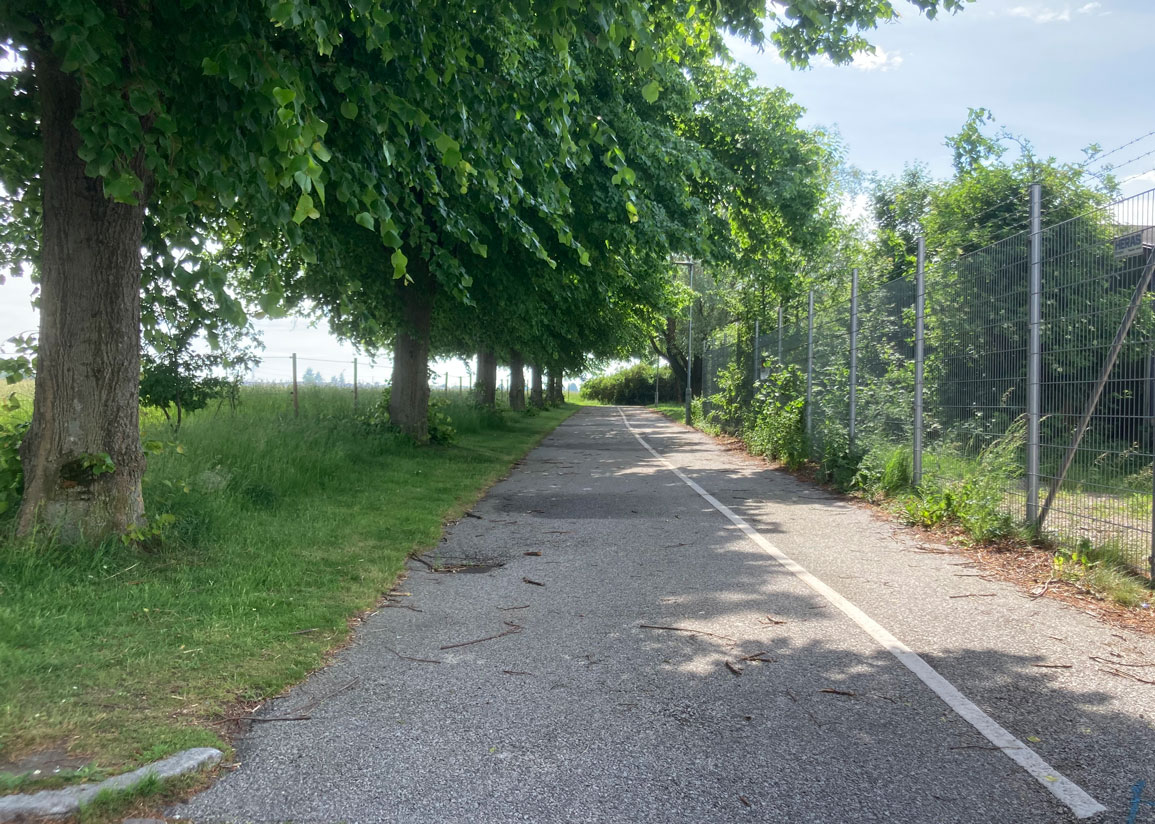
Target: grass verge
(282,529)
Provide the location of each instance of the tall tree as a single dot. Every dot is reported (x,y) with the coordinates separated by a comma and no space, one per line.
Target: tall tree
(210,118)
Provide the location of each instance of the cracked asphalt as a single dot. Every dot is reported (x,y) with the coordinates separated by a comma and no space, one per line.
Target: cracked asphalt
(652,664)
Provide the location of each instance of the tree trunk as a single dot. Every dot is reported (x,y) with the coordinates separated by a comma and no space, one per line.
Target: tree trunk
(675,357)
(554,394)
(536,398)
(81,456)
(516,381)
(486,386)
(409,392)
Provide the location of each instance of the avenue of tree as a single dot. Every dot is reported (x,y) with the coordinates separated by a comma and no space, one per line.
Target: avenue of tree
(510,178)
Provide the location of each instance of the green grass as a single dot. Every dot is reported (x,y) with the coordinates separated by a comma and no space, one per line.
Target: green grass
(284,529)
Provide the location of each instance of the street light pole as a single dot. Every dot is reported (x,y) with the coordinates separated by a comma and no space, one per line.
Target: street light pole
(690,352)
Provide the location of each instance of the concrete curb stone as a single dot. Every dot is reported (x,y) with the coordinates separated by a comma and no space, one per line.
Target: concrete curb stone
(66,802)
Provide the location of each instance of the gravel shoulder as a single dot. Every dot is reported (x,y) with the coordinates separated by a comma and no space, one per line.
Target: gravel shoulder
(653,664)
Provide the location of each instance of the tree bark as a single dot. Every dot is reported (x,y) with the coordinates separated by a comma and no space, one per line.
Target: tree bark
(516,381)
(536,398)
(82,457)
(554,394)
(409,392)
(486,386)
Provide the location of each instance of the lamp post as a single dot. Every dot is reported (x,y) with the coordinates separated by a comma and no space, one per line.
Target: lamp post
(689,342)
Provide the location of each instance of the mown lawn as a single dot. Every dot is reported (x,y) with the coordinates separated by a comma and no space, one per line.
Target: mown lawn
(284,529)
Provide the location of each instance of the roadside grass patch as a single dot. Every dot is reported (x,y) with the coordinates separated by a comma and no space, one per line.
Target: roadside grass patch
(282,529)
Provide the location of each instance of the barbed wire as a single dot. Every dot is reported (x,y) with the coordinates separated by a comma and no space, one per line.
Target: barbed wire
(1099,157)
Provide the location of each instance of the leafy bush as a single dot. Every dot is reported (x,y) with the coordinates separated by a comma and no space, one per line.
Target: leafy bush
(631,387)
(180,385)
(977,502)
(441,430)
(886,470)
(11,472)
(728,406)
(777,427)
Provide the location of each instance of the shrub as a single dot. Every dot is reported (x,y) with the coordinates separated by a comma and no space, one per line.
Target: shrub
(728,405)
(777,426)
(441,430)
(633,386)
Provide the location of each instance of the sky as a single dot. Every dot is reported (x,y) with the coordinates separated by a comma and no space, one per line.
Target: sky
(1063,75)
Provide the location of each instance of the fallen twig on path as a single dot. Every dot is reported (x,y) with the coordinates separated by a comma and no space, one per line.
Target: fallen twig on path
(832,691)
(770,620)
(409,607)
(408,658)
(976,595)
(1118,663)
(1053,666)
(1121,674)
(758,657)
(513,630)
(531,581)
(535,552)
(505,609)
(734,669)
(687,629)
(276,718)
(303,710)
(469,514)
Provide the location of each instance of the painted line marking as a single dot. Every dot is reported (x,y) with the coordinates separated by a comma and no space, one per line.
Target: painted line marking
(1066,791)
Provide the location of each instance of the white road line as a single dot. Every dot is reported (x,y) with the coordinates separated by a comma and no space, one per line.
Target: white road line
(1080,803)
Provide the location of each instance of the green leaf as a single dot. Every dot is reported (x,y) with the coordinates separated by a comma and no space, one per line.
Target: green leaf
(650,91)
(284,96)
(140,101)
(304,209)
(283,13)
(122,188)
(399,262)
(364,219)
(444,143)
(349,109)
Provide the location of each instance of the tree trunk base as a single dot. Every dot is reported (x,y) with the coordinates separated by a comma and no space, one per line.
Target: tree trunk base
(409,388)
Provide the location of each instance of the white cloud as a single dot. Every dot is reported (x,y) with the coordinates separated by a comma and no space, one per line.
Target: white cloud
(879,60)
(1090,7)
(1042,14)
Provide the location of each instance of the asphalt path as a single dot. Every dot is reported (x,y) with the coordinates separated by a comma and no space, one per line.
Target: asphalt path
(610,647)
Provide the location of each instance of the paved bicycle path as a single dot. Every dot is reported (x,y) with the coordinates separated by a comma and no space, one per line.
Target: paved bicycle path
(584,709)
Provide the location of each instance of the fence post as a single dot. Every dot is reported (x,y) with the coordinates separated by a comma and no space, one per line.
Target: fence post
(757,354)
(779,334)
(853,352)
(296,407)
(354,384)
(1034,354)
(810,367)
(657,376)
(919,343)
(460,385)
(446,383)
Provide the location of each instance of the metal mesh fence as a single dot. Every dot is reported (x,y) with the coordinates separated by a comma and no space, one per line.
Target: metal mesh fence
(1098,369)
(1086,477)
(976,360)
